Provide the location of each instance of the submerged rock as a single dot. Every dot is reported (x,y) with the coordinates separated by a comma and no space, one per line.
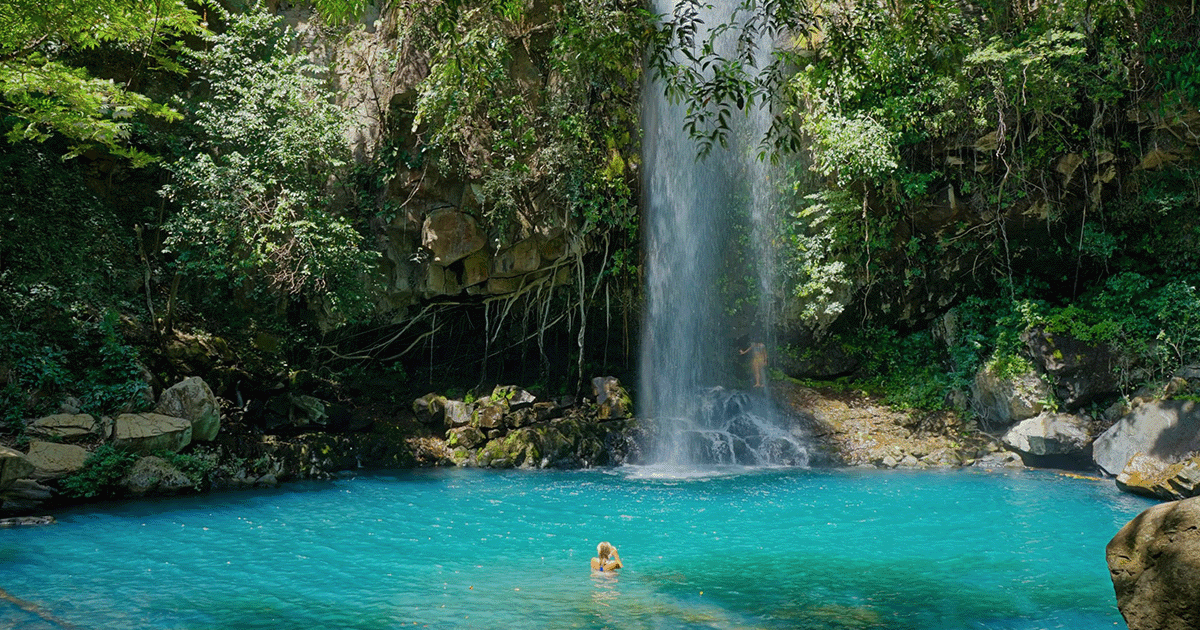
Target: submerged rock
(1154,563)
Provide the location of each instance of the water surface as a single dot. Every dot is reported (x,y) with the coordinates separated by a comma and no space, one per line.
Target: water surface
(783,548)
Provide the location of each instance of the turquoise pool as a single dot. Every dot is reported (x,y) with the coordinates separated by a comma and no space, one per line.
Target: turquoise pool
(781,548)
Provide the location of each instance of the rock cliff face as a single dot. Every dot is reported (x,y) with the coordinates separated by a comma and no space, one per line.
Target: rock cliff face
(1154,562)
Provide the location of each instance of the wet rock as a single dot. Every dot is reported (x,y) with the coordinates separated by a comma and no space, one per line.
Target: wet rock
(155,475)
(149,432)
(1002,399)
(1050,434)
(192,400)
(1154,563)
(54,461)
(1167,430)
(69,427)
(13,466)
(27,521)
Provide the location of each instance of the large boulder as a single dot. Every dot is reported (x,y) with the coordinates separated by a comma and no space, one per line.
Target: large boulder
(1004,399)
(430,409)
(192,400)
(1153,477)
(149,432)
(1081,372)
(53,461)
(451,235)
(1166,430)
(1050,434)
(69,427)
(1154,563)
(13,466)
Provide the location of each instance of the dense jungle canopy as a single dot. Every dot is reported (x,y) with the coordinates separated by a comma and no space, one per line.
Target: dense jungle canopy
(264,193)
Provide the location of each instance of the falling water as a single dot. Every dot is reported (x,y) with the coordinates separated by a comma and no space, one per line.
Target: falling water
(702,216)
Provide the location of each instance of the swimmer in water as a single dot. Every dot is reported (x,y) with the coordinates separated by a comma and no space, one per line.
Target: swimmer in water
(607,558)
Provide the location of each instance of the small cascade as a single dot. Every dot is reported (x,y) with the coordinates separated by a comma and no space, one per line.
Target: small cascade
(726,427)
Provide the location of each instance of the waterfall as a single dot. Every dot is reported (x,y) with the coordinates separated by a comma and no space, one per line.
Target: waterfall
(708,227)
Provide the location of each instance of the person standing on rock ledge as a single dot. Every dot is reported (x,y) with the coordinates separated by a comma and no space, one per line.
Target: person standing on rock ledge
(758,362)
(607,558)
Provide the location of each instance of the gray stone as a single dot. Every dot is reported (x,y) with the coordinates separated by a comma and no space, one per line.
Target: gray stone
(1003,459)
(612,401)
(521,258)
(451,235)
(1154,563)
(13,466)
(490,416)
(466,437)
(430,409)
(1167,430)
(192,400)
(1050,434)
(68,427)
(458,414)
(1081,372)
(512,396)
(1004,400)
(53,461)
(149,432)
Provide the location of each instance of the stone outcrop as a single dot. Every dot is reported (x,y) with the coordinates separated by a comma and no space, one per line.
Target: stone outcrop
(149,432)
(1050,434)
(1155,478)
(1002,400)
(53,461)
(13,466)
(511,428)
(192,400)
(66,427)
(451,235)
(1154,563)
(1081,372)
(1166,430)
